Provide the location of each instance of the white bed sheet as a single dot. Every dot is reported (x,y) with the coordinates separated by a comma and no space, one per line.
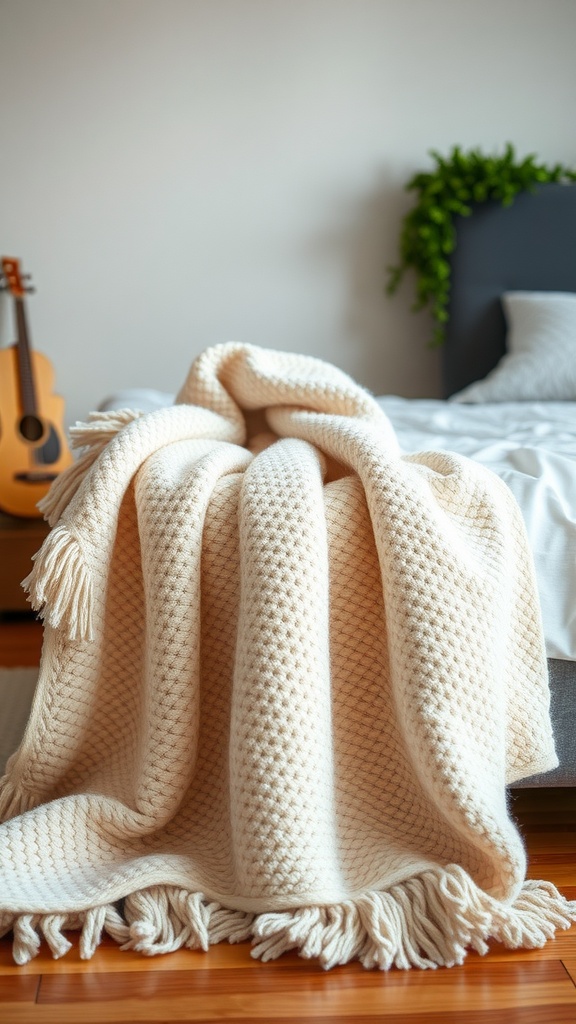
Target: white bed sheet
(532,447)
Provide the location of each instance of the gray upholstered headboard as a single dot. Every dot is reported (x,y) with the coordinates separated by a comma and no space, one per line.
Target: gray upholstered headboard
(529,246)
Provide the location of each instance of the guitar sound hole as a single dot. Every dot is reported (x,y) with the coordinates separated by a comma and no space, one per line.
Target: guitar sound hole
(31,428)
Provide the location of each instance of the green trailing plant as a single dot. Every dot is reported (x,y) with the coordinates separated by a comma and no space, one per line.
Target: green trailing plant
(456,184)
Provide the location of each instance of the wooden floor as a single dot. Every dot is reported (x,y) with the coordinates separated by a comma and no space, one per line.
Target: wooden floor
(532,987)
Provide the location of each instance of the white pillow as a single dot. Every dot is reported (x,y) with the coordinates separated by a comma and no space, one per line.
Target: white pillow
(540,362)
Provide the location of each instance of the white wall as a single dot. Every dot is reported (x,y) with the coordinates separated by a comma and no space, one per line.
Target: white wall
(177,173)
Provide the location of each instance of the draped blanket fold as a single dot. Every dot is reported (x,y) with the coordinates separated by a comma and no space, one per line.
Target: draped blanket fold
(287,673)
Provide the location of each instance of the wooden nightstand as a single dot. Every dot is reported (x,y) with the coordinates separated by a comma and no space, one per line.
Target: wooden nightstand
(19,540)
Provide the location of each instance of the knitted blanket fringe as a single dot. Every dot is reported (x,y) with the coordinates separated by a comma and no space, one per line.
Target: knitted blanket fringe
(430,921)
(374,714)
(60,585)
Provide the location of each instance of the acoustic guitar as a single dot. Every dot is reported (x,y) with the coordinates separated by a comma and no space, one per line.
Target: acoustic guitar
(33,448)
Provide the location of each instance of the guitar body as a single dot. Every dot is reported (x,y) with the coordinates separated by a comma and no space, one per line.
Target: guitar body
(33,448)
(28,464)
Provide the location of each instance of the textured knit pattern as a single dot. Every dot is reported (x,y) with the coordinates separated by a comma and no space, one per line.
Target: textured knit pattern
(287,674)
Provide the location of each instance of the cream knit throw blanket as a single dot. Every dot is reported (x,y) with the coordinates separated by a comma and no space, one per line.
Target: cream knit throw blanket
(287,673)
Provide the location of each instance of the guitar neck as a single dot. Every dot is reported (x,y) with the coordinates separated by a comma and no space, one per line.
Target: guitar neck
(26,376)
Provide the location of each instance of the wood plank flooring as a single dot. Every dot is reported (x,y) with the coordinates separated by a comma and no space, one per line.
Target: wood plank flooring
(226,985)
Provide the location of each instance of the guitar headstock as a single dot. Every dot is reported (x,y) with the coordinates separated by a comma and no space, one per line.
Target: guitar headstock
(12,279)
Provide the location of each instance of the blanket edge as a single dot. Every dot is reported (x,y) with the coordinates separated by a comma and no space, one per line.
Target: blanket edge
(431,920)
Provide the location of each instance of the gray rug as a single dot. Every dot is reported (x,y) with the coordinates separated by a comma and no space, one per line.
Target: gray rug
(17,687)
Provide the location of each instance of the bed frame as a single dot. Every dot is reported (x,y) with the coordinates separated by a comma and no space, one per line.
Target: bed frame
(528,246)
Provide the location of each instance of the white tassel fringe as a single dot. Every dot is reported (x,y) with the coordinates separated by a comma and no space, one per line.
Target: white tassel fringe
(101,427)
(60,585)
(93,436)
(163,919)
(428,921)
